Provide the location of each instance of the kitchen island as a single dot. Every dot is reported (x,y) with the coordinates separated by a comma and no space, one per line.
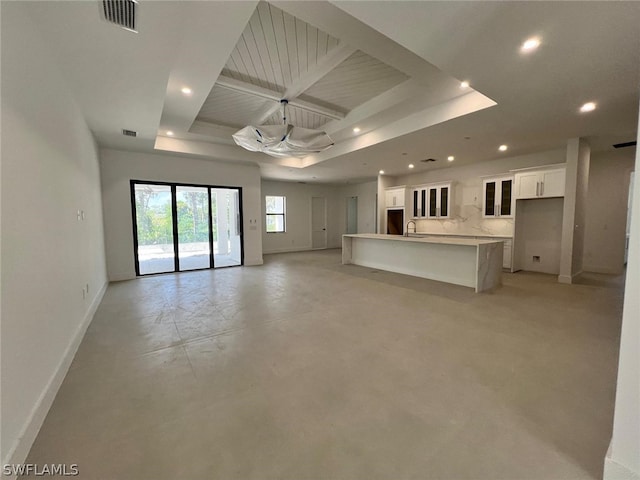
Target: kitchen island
(475,263)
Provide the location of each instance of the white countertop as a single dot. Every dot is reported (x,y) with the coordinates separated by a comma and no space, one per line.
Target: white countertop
(472,242)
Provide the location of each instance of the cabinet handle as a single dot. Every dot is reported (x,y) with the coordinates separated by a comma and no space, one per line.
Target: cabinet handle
(537,189)
(541,189)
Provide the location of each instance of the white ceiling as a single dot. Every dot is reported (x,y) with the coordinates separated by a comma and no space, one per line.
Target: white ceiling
(392,68)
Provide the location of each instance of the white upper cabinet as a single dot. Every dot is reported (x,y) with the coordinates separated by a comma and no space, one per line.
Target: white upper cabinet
(540,183)
(497,197)
(431,201)
(394,197)
(439,201)
(419,202)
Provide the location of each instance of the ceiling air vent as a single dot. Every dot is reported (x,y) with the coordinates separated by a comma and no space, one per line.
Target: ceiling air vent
(129,133)
(428,160)
(626,144)
(121,12)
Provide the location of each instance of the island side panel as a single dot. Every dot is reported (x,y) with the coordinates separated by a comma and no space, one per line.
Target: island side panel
(489,266)
(346,250)
(442,262)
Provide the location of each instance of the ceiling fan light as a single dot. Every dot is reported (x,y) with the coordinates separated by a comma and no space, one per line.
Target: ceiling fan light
(282,140)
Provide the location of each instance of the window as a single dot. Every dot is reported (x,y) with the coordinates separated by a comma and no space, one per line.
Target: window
(275,214)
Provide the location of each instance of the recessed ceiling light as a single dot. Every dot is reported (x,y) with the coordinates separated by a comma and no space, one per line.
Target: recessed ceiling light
(588,107)
(530,45)
(381,172)
(503,148)
(170,133)
(451,158)
(464,84)
(411,165)
(356,130)
(186,90)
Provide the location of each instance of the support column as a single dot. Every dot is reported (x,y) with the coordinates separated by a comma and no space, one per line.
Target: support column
(574,212)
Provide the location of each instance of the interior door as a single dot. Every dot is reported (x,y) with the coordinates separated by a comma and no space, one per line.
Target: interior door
(318,222)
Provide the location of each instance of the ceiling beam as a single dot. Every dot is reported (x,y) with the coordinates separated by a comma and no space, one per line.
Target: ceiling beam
(261,117)
(298,86)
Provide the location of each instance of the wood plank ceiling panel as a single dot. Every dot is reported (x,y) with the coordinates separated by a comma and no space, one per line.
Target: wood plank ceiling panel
(355,81)
(298,117)
(276,48)
(230,108)
(262,25)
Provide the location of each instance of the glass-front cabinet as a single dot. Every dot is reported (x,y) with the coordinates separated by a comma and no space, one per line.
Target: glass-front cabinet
(432,201)
(497,197)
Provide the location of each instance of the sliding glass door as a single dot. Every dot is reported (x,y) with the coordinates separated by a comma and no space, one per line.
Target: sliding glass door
(194,232)
(153,220)
(227,245)
(185,227)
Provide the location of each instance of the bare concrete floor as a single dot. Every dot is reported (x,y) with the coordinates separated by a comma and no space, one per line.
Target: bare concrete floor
(307,369)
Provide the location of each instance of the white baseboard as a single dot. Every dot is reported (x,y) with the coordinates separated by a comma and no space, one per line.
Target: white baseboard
(20,448)
(606,270)
(569,279)
(615,471)
(287,250)
(120,277)
(250,262)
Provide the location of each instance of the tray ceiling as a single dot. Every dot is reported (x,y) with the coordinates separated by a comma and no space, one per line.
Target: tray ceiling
(279,56)
(220,51)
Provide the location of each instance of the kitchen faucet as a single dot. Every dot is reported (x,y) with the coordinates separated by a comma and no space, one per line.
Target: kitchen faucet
(406,233)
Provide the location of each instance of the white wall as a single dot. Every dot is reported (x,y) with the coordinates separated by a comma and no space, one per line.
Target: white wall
(623,458)
(49,172)
(539,227)
(466,205)
(298,216)
(366,193)
(118,168)
(606,216)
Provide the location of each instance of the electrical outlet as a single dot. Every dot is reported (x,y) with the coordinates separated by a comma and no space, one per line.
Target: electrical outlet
(536,259)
